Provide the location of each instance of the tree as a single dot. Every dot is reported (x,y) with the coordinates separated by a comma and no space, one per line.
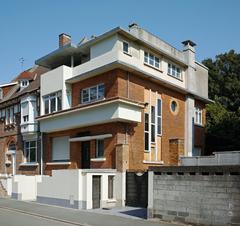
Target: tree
(223,116)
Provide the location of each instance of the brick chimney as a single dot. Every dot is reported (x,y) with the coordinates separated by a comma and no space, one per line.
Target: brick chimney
(64,39)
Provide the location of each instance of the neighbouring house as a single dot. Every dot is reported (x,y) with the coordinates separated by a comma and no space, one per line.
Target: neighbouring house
(19,130)
(119,102)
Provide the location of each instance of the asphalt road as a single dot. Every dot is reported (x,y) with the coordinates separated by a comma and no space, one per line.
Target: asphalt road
(17,213)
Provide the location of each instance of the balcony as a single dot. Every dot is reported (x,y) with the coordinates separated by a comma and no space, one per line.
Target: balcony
(106,111)
(29,127)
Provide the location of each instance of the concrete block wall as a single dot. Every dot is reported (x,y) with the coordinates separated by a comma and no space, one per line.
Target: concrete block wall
(198,195)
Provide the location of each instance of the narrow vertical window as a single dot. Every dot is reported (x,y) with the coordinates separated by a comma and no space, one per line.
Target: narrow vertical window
(99,148)
(110,187)
(159,117)
(146,131)
(125,47)
(152,124)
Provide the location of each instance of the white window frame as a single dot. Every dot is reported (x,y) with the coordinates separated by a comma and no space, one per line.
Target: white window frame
(128,45)
(198,116)
(49,98)
(147,132)
(89,95)
(174,71)
(147,60)
(27,159)
(159,117)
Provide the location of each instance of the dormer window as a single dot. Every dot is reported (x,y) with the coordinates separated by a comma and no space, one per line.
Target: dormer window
(24,83)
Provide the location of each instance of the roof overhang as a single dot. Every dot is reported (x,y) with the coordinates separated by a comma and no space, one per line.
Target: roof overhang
(136,70)
(58,55)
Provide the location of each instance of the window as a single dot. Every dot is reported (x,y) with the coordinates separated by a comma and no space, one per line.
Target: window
(174,71)
(173,106)
(159,117)
(198,116)
(25,118)
(9,119)
(60,148)
(92,94)
(152,124)
(99,148)
(151,60)
(30,151)
(24,83)
(25,112)
(146,131)
(110,187)
(53,102)
(126,47)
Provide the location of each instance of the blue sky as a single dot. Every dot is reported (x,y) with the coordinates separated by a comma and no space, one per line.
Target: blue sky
(30,28)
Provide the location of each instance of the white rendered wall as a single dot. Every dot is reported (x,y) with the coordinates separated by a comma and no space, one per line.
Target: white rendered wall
(25,187)
(115,111)
(54,81)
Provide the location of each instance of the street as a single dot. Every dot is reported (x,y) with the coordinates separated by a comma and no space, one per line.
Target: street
(18,213)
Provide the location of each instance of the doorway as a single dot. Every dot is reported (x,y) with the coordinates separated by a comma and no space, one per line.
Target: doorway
(85,154)
(96,191)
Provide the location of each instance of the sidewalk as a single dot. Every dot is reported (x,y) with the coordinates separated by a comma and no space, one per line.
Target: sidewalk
(90,218)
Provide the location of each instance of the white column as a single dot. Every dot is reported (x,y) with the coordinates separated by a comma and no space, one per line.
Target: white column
(189,125)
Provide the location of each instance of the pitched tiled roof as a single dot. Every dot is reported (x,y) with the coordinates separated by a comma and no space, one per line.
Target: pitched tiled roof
(32,74)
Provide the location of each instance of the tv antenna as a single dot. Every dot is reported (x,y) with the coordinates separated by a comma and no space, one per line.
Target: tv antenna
(21,60)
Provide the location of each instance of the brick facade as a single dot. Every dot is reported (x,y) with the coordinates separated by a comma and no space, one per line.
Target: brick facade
(120,83)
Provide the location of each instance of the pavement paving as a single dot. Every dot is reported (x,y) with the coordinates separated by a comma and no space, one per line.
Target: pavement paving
(19,213)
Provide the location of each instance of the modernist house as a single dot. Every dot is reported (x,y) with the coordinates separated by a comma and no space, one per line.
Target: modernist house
(19,131)
(119,102)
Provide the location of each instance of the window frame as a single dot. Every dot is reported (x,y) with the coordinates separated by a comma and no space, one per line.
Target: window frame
(128,48)
(159,117)
(146,132)
(198,116)
(175,71)
(97,148)
(49,98)
(28,158)
(153,124)
(150,57)
(88,89)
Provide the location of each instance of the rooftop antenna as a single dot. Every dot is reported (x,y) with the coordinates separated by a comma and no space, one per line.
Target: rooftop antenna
(22,62)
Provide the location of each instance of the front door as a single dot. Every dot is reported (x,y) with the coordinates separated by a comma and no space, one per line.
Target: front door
(96,191)
(85,154)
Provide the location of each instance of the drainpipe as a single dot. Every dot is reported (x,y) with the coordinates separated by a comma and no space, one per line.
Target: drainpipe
(41,152)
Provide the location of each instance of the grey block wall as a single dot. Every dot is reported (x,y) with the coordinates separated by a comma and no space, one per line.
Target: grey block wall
(212,199)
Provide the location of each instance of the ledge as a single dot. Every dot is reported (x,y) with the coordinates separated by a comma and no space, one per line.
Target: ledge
(29,164)
(153,162)
(111,201)
(98,159)
(58,163)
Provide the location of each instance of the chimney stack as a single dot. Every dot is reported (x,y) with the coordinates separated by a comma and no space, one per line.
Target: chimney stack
(64,39)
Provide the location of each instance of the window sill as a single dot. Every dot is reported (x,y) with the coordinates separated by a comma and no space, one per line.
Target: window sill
(199,125)
(98,159)
(155,68)
(127,54)
(29,164)
(153,162)
(58,163)
(179,79)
